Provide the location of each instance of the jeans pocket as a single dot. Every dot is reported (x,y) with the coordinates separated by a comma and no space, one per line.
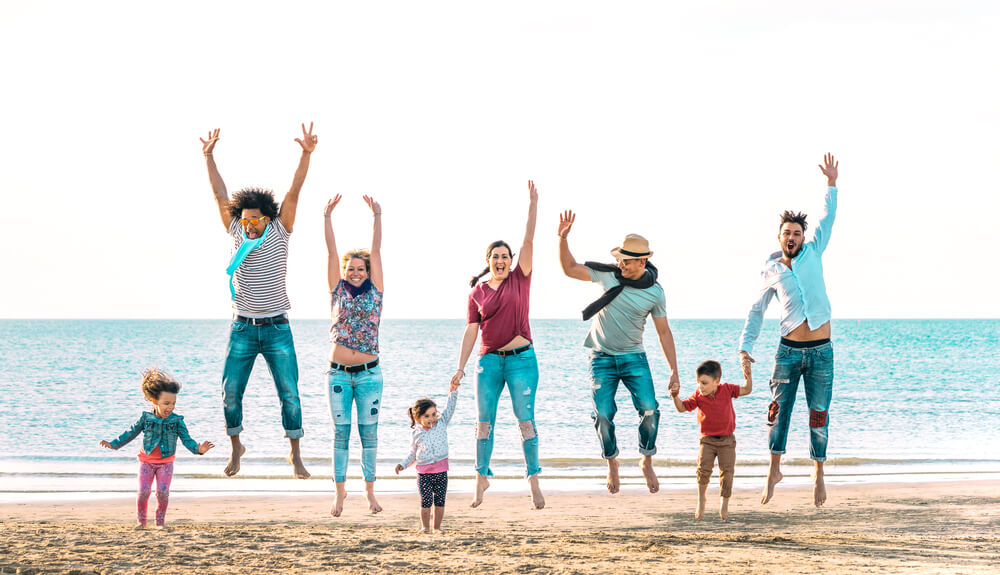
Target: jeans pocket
(282,326)
(826,353)
(238,326)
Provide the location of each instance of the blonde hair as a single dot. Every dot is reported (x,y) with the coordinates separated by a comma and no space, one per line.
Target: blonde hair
(155,382)
(361,254)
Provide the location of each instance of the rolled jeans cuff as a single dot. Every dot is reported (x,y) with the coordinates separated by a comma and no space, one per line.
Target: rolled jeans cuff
(820,459)
(294,433)
(612,456)
(777,452)
(231,431)
(644,452)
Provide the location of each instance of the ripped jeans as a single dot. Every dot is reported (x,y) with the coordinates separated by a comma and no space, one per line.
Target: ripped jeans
(632,369)
(363,388)
(520,372)
(814,365)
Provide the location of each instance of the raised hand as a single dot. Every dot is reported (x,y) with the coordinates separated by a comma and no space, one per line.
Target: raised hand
(308,140)
(208,145)
(745,361)
(106,444)
(205,446)
(532,191)
(375,207)
(330,204)
(829,169)
(566,220)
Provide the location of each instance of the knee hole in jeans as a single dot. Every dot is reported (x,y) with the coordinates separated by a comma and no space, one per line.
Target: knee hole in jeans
(528,430)
(483,429)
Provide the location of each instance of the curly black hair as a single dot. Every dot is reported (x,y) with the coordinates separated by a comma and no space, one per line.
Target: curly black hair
(253,199)
(790,217)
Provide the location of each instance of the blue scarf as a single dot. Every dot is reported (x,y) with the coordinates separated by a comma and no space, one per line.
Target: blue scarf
(241,254)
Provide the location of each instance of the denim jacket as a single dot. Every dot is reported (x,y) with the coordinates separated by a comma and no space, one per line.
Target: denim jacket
(159,432)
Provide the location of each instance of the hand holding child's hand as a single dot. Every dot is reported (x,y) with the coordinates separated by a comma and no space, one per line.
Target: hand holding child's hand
(454,383)
(675,391)
(205,446)
(106,444)
(456,379)
(398,468)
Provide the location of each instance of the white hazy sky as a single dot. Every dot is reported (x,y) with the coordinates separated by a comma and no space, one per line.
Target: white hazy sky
(691,123)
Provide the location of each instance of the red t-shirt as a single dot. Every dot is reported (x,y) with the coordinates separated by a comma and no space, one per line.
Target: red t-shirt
(501,314)
(715,414)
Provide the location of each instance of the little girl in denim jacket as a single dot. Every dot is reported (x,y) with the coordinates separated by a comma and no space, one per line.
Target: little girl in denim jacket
(429,449)
(160,429)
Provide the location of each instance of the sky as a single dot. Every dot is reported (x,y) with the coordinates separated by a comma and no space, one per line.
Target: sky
(691,123)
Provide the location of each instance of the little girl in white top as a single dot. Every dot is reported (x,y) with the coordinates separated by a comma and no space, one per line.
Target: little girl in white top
(429,449)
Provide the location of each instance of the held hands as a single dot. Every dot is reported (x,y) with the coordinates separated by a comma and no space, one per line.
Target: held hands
(456,380)
(106,444)
(745,361)
(829,169)
(308,140)
(205,446)
(675,384)
(375,207)
(208,145)
(399,468)
(566,220)
(330,204)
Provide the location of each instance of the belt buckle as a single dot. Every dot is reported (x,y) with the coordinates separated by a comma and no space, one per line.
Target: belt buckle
(254,321)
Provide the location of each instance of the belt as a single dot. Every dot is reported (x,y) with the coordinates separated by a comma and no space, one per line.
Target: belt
(278,320)
(354,368)
(804,344)
(515,351)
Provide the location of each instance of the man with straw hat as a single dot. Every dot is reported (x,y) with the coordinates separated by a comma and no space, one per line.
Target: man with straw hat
(615,340)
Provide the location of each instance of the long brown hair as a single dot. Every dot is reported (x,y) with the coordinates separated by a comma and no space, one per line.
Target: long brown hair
(419,408)
(155,382)
(489,250)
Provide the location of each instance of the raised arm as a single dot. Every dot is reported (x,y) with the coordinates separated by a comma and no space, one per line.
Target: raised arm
(214,178)
(524,259)
(291,201)
(333,260)
(468,342)
(667,344)
(376,251)
(821,237)
(747,387)
(566,260)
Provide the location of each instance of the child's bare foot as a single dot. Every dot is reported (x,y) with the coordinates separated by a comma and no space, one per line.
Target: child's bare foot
(652,482)
(699,511)
(338,503)
(440,530)
(537,499)
(724,508)
(139,526)
(425,530)
(819,488)
(373,505)
(773,477)
(614,483)
(482,484)
(233,467)
(298,468)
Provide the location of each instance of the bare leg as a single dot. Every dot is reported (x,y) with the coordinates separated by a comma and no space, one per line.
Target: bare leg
(652,482)
(338,503)
(724,508)
(295,458)
(773,477)
(373,505)
(699,511)
(819,486)
(425,519)
(536,492)
(438,516)
(233,467)
(614,483)
(482,484)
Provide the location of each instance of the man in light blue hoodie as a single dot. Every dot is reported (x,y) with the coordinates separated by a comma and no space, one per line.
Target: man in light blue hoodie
(795,276)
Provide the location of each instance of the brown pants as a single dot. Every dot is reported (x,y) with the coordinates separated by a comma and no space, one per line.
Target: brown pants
(725,448)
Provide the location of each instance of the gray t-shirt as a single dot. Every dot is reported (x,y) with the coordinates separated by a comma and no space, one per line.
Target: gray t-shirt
(617,329)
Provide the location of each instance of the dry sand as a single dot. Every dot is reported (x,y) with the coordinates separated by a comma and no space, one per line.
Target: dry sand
(901,528)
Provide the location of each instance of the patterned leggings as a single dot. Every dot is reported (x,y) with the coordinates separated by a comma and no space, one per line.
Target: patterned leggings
(433,488)
(163,472)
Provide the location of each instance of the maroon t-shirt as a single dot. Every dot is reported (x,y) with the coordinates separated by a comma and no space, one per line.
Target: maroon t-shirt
(715,414)
(501,314)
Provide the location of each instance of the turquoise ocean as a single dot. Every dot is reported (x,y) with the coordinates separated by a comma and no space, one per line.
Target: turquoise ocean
(914,400)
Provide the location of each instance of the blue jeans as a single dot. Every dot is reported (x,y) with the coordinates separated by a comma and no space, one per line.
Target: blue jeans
(520,372)
(274,342)
(632,369)
(363,388)
(815,366)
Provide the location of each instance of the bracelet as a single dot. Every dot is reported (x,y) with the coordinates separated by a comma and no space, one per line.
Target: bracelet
(376,213)
(462,370)
(208,155)
(561,236)
(327,216)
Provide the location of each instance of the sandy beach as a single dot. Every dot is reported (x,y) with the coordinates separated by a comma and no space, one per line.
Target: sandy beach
(888,528)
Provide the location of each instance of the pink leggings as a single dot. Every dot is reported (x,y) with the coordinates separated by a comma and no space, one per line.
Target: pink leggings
(163,472)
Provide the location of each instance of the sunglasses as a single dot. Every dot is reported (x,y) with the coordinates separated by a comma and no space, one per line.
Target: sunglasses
(253,221)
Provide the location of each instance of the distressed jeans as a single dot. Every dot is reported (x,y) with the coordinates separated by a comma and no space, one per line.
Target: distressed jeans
(520,373)
(364,389)
(814,365)
(632,369)
(274,342)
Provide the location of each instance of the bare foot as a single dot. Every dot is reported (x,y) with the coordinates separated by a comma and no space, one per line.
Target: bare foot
(652,482)
(819,490)
(338,503)
(439,530)
(614,483)
(724,508)
(482,484)
(162,527)
(699,511)
(139,526)
(773,477)
(536,492)
(373,505)
(425,530)
(298,468)
(233,467)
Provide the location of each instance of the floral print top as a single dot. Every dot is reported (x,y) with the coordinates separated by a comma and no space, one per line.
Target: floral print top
(355,317)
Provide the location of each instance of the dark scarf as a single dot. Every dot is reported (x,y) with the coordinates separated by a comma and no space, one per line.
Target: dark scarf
(356,291)
(647,281)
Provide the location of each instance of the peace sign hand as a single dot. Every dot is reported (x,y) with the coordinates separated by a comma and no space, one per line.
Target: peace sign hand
(308,140)
(208,145)
(566,220)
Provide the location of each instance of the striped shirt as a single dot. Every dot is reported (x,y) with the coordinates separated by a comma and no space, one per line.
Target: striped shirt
(260,280)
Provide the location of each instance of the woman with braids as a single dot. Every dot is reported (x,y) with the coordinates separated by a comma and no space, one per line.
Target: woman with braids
(499,307)
(355,377)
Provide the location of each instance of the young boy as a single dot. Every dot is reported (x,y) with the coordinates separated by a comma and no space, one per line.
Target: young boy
(714,402)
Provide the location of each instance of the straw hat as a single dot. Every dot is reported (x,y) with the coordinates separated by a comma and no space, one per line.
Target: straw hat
(634,247)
